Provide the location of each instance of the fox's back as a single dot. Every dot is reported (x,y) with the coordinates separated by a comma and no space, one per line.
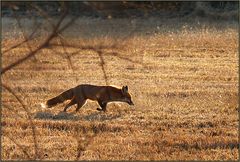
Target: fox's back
(94,92)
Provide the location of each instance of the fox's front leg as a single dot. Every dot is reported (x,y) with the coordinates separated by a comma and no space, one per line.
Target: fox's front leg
(72,102)
(103,106)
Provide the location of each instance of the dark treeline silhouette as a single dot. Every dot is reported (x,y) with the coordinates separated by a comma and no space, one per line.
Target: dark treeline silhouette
(216,9)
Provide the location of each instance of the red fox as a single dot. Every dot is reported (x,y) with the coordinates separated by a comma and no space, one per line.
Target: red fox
(102,94)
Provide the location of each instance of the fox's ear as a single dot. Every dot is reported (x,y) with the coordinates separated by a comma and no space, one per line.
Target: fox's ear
(124,89)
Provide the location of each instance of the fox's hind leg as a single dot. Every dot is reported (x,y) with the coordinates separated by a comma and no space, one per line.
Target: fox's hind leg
(103,106)
(72,102)
(80,104)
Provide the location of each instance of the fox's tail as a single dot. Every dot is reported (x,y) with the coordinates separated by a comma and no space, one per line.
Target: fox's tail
(58,99)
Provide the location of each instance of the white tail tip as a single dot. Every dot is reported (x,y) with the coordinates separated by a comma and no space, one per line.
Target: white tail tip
(43,105)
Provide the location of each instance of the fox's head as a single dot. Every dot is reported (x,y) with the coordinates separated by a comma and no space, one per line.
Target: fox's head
(126,95)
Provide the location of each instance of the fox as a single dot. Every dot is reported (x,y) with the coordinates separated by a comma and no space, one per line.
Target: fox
(81,93)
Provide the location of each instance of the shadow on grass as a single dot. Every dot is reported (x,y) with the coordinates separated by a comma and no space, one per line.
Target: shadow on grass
(96,116)
(60,116)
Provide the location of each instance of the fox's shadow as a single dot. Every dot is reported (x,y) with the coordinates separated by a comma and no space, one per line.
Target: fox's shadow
(59,116)
(96,116)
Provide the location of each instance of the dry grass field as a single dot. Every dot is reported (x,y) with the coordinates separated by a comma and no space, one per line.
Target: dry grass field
(183,77)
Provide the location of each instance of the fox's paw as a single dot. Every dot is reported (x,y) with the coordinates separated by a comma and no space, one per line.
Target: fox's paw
(99,109)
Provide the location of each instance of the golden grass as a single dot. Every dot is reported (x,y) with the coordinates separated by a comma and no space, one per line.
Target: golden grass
(184,86)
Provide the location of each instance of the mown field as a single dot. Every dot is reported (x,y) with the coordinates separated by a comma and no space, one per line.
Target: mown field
(183,77)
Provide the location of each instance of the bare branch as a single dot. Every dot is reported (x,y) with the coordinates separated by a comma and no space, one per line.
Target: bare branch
(67,25)
(43,13)
(68,57)
(102,63)
(28,115)
(20,146)
(83,143)
(24,35)
(43,45)
(57,29)
(29,38)
(11,109)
